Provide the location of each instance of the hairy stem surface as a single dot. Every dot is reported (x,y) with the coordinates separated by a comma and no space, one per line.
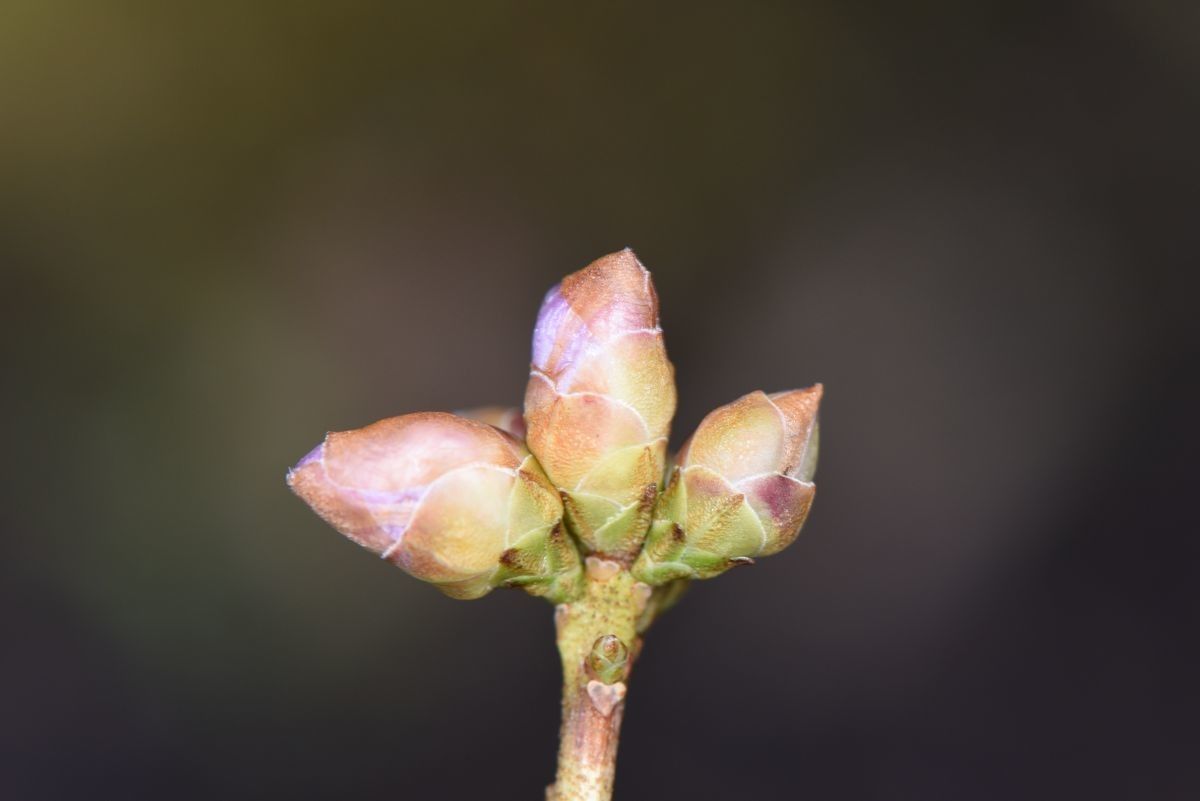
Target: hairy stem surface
(595,671)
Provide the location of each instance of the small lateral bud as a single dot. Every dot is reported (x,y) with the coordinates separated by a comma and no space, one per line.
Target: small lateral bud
(608,659)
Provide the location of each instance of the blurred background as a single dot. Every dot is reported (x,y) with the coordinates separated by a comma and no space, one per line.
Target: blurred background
(228,228)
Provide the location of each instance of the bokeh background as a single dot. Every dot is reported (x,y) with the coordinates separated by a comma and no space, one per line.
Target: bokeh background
(226,228)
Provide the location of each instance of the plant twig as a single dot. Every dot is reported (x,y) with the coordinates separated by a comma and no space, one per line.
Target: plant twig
(597,640)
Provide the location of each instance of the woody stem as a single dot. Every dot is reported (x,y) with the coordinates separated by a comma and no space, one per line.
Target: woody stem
(593,687)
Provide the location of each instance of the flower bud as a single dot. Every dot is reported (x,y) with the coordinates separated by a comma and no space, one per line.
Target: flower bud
(506,418)
(600,399)
(452,501)
(742,488)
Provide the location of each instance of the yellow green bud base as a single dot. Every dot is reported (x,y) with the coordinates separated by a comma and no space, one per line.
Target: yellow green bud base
(598,638)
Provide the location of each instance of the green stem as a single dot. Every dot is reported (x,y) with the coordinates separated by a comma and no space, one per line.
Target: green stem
(595,669)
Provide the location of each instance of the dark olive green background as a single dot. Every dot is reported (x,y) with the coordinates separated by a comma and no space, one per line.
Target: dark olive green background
(227,228)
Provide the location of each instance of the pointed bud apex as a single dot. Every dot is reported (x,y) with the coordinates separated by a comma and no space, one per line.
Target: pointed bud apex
(452,501)
(608,659)
(742,488)
(600,399)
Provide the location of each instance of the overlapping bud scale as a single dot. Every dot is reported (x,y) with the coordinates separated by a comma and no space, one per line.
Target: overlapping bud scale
(600,399)
(741,488)
(453,501)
